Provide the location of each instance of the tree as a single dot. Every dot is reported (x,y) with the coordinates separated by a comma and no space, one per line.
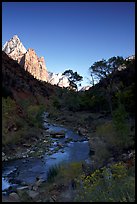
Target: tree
(104,70)
(73,78)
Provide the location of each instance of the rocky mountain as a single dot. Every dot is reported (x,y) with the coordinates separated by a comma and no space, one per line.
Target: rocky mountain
(19,84)
(35,65)
(28,59)
(85,88)
(14,48)
(58,79)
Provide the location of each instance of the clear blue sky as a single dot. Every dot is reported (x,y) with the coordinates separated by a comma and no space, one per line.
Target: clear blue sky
(72,35)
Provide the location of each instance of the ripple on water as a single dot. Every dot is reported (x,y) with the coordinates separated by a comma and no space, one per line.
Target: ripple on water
(5,184)
(75,151)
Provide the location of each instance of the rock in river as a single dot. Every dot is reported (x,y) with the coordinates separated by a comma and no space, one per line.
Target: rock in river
(60,134)
(14,197)
(33,194)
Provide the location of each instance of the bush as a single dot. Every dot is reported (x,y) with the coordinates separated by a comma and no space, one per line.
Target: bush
(101,154)
(34,113)
(66,172)
(112,184)
(107,133)
(71,171)
(16,128)
(56,103)
(116,133)
(73,103)
(13,126)
(121,127)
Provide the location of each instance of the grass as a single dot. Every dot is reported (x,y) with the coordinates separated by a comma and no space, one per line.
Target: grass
(52,173)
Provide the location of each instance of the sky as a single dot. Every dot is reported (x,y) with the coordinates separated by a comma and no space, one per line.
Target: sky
(72,35)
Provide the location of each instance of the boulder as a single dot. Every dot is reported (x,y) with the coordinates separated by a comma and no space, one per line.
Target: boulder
(33,194)
(45,141)
(14,197)
(21,190)
(82,131)
(26,145)
(60,134)
(3,154)
(53,198)
(55,143)
(37,184)
(4,158)
(46,127)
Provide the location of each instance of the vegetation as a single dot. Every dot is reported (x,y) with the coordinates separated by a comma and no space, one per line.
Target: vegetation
(18,123)
(105,111)
(122,128)
(114,184)
(105,70)
(73,78)
(52,173)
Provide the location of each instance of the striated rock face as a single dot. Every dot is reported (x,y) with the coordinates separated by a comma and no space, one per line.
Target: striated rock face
(34,65)
(14,48)
(29,60)
(58,79)
(26,58)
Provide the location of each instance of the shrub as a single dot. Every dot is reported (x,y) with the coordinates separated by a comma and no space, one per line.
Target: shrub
(34,113)
(107,132)
(56,103)
(101,154)
(71,171)
(16,128)
(8,119)
(71,101)
(116,133)
(66,172)
(121,127)
(107,185)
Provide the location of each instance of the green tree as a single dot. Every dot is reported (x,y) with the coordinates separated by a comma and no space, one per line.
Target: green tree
(104,71)
(73,78)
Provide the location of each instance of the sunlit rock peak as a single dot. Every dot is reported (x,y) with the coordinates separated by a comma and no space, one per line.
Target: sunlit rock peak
(14,48)
(58,79)
(28,59)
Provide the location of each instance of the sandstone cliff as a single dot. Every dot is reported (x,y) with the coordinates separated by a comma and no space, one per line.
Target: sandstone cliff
(28,59)
(35,65)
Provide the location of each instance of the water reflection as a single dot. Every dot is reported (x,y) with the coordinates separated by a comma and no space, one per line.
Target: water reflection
(27,170)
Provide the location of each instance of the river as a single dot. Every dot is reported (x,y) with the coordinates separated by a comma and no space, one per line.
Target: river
(20,172)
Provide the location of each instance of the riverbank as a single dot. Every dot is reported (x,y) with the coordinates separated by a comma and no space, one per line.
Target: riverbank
(105,145)
(88,125)
(63,144)
(41,141)
(61,189)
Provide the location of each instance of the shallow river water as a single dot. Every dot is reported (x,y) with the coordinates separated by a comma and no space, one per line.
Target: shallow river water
(19,171)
